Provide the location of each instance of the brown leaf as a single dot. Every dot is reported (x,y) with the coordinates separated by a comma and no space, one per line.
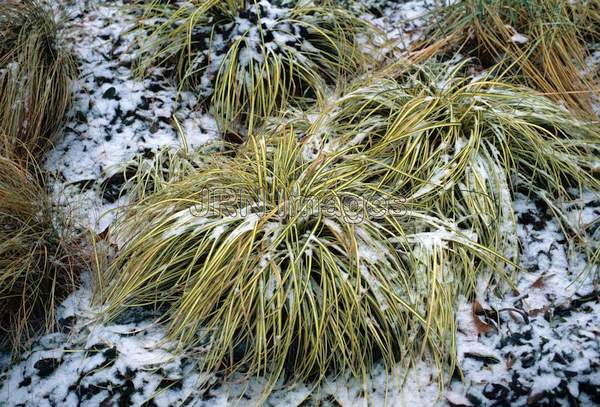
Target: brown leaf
(510,360)
(481,326)
(538,311)
(541,281)
(104,234)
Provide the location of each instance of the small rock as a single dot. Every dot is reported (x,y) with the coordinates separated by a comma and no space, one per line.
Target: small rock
(110,93)
(46,367)
(494,391)
(486,359)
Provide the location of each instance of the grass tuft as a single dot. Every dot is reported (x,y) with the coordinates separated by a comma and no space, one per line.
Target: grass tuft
(298,267)
(251,58)
(541,42)
(35,73)
(345,234)
(38,257)
(463,144)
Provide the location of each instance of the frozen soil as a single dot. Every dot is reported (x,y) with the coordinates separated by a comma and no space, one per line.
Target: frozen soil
(535,343)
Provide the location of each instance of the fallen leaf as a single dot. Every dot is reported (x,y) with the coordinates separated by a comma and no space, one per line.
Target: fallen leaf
(538,311)
(481,326)
(457,400)
(510,361)
(104,234)
(540,282)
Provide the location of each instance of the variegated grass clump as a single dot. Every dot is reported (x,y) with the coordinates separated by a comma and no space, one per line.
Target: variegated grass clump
(283,265)
(540,42)
(345,234)
(38,256)
(35,73)
(250,58)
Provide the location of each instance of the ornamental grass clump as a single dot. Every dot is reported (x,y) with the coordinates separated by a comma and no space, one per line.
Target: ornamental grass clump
(281,265)
(540,42)
(345,234)
(35,73)
(250,58)
(38,257)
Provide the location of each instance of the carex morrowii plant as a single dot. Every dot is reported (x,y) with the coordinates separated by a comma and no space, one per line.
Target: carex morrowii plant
(36,68)
(282,264)
(541,43)
(346,233)
(250,58)
(39,258)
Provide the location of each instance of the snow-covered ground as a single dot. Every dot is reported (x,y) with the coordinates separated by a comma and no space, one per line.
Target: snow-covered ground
(115,115)
(537,343)
(542,344)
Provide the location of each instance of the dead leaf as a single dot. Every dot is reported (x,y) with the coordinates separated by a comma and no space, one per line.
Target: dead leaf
(510,361)
(541,281)
(481,326)
(538,311)
(104,234)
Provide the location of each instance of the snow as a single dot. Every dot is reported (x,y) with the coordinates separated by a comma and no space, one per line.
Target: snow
(543,346)
(518,38)
(402,22)
(248,224)
(185,220)
(543,337)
